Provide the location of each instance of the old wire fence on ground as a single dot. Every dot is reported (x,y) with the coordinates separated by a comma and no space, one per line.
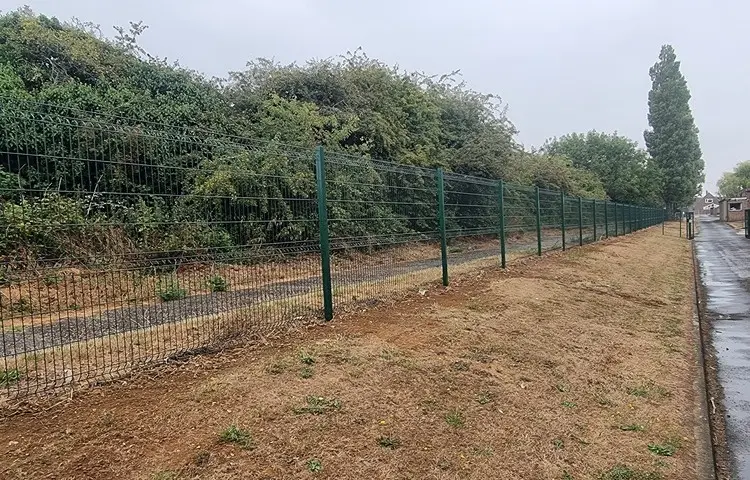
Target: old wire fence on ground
(126,243)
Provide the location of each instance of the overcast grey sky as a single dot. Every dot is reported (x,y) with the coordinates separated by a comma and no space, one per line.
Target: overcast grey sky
(561,65)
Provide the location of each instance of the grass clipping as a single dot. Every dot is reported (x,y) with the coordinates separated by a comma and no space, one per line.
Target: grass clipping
(575,366)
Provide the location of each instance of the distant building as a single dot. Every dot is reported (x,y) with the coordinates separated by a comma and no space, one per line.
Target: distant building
(732,209)
(706,205)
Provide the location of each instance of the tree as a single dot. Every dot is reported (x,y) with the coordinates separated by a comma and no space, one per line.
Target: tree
(734,183)
(672,140)
(623,168)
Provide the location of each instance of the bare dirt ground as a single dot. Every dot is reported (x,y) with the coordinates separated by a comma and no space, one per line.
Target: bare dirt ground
(578,365)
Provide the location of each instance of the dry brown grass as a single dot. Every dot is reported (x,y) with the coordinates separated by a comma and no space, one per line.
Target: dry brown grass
(528,374)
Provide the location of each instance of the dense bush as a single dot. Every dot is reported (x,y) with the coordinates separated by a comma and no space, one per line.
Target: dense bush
(100,136)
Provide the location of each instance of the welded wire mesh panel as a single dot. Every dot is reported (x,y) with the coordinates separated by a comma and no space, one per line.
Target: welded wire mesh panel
(572,221)
(588,220)
(125,243)
(520,218)
(550,217)
(383,227)
(472,220)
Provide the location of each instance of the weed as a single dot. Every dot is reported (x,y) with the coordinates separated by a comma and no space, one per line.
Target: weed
(455,419)
(201,458)
(484,398)
(604,401)
(164,475)
(566,475)
(318,405)
(482,451)
(666,449)
(22,305)
(389,442)
(568,404)
(633,427)
(562,388)
(648,389)
(8,377)
(314,465)
(51,279)
(276,368)
(217,283)
(74,306)
(306,358)
(236,435)
(558,443)
(460,366)
(623,472)
(306,372)
(171,291)
(389,353)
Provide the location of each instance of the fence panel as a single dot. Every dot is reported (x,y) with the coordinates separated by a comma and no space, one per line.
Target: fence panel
(125,243)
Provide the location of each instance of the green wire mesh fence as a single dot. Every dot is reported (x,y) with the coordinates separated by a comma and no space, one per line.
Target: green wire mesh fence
(125,243)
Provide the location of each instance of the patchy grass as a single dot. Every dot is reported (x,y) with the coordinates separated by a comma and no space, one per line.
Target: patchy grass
(623,472)
(238,436)
(217,283)
(318,406)
(314,465)
(455,419)
(389,442)
(632,427)
(665,449)
(9,377)
(171,291)
(575,327)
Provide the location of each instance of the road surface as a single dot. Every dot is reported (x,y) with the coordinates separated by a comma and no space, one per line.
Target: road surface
(724,259)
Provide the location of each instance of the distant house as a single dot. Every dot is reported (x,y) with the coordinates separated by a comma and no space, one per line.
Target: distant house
(706,205)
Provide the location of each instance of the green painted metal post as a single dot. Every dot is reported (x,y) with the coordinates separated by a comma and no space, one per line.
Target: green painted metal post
(441,224)
(501,201)
(593,205)
(538,223)
(562,218)
(580,222)
(680,224)
(606,219)
(616,227)
(325,246)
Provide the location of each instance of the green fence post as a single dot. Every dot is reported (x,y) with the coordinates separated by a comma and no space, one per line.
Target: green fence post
(663,220)
(562,218)
(606,219)
(616,219)
(325,247)
(580,222)
(538,224)
(680,224)
(501,201)
(593,205)
(441,224)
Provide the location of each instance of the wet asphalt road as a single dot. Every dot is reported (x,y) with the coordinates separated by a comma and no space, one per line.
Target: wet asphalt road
(724,259)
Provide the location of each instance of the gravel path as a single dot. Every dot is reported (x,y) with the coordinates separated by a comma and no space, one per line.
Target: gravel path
(74,329)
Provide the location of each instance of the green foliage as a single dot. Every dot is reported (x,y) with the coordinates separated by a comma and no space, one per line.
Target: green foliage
(217,283)
(666,449)
(623,472)
(672,140)
(734,183)
(314,465)
(455,419)
(8,377)
(236,435)
(179,147)
(171,290)
(624,168)
(389,442)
